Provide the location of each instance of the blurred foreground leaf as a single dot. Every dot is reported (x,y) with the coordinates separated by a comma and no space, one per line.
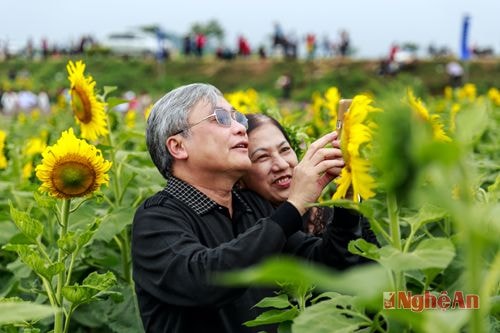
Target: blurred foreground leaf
(13,312)
(354,281)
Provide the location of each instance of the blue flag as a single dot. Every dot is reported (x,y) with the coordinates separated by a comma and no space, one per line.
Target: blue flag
(464,44)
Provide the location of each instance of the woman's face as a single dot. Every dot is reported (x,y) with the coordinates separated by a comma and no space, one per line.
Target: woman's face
(273,161)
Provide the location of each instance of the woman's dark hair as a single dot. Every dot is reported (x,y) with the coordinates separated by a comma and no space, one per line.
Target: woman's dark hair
(255,120)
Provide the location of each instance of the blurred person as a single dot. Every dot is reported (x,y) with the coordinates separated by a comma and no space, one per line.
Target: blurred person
(285,83)
(187,45)
(311,46)
(243,47)
(262,52)
(344,44)
(27,100)
(273,163)
(200,41)
(9,102)
(200,223)
(43,101)
(455,73)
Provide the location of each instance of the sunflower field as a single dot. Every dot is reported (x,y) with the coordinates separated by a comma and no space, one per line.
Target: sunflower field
(424,172)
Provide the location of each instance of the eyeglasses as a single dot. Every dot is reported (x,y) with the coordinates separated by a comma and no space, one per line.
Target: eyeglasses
(223,118)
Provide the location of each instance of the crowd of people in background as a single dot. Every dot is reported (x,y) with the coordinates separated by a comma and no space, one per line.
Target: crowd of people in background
(18,97)
(198,44)
(400,56)
(281,43)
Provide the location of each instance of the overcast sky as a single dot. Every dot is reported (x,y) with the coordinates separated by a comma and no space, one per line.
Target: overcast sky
(372,24)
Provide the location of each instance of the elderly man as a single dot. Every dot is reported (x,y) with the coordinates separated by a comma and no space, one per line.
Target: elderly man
(200,224)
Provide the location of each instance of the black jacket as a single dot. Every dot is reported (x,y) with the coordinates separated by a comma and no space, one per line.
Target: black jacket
(180,238)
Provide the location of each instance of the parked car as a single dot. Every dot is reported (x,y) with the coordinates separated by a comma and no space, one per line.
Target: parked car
(136,44)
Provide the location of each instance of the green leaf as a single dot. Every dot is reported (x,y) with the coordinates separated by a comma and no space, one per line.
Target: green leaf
(284,327)
(91,286)
(293,270)
(471,123)
(273,317)
(495,305)
(78,294)
(114,223)
(426,214)
(67,242)
(40,265)
(450,321)
(329,317)
(85,237)
(323,296)
(342,203)
(429,253)
(110,314)
(7,231)
(107,90)
(279,302)
(14,312)
(100,281)
(363,248)
(44,200)
(114,101)
(30,227)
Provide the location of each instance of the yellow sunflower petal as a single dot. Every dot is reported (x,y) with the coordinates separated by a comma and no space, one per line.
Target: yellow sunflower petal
(3,159)
(72,168)
(362,182)
(417,105)
(89,112)
(343,183)
(433,120)
(357,131)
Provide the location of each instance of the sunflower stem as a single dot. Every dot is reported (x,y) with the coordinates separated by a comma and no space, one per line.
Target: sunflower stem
(473,250)
(123,239)
(392,208)
(125,249)
(59,316)
(114,168)
(70,269)
(49,290)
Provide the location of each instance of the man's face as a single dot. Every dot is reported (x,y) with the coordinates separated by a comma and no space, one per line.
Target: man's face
(213,147)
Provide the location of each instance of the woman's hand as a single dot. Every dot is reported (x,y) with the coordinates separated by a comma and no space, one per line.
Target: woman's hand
(319,166)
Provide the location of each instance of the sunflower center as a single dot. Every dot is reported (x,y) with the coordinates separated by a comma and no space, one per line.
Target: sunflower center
(81,105)
(74,178)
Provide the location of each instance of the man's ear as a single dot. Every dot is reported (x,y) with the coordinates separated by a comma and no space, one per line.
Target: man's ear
(175,146)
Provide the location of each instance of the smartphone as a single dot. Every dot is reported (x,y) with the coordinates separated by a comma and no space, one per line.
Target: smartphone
(344,105)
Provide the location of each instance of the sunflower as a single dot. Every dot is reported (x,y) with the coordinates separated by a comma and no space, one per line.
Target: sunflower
(494,95)
(453,115)
(467,92)
(72,168)
(244,101)
(356,133)
(147,111)
(3,159)
(434,120)
(35,145)
(130,118)
(89,112)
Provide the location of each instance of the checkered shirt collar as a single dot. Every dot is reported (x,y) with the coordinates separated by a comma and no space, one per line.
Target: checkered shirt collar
(193,198)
